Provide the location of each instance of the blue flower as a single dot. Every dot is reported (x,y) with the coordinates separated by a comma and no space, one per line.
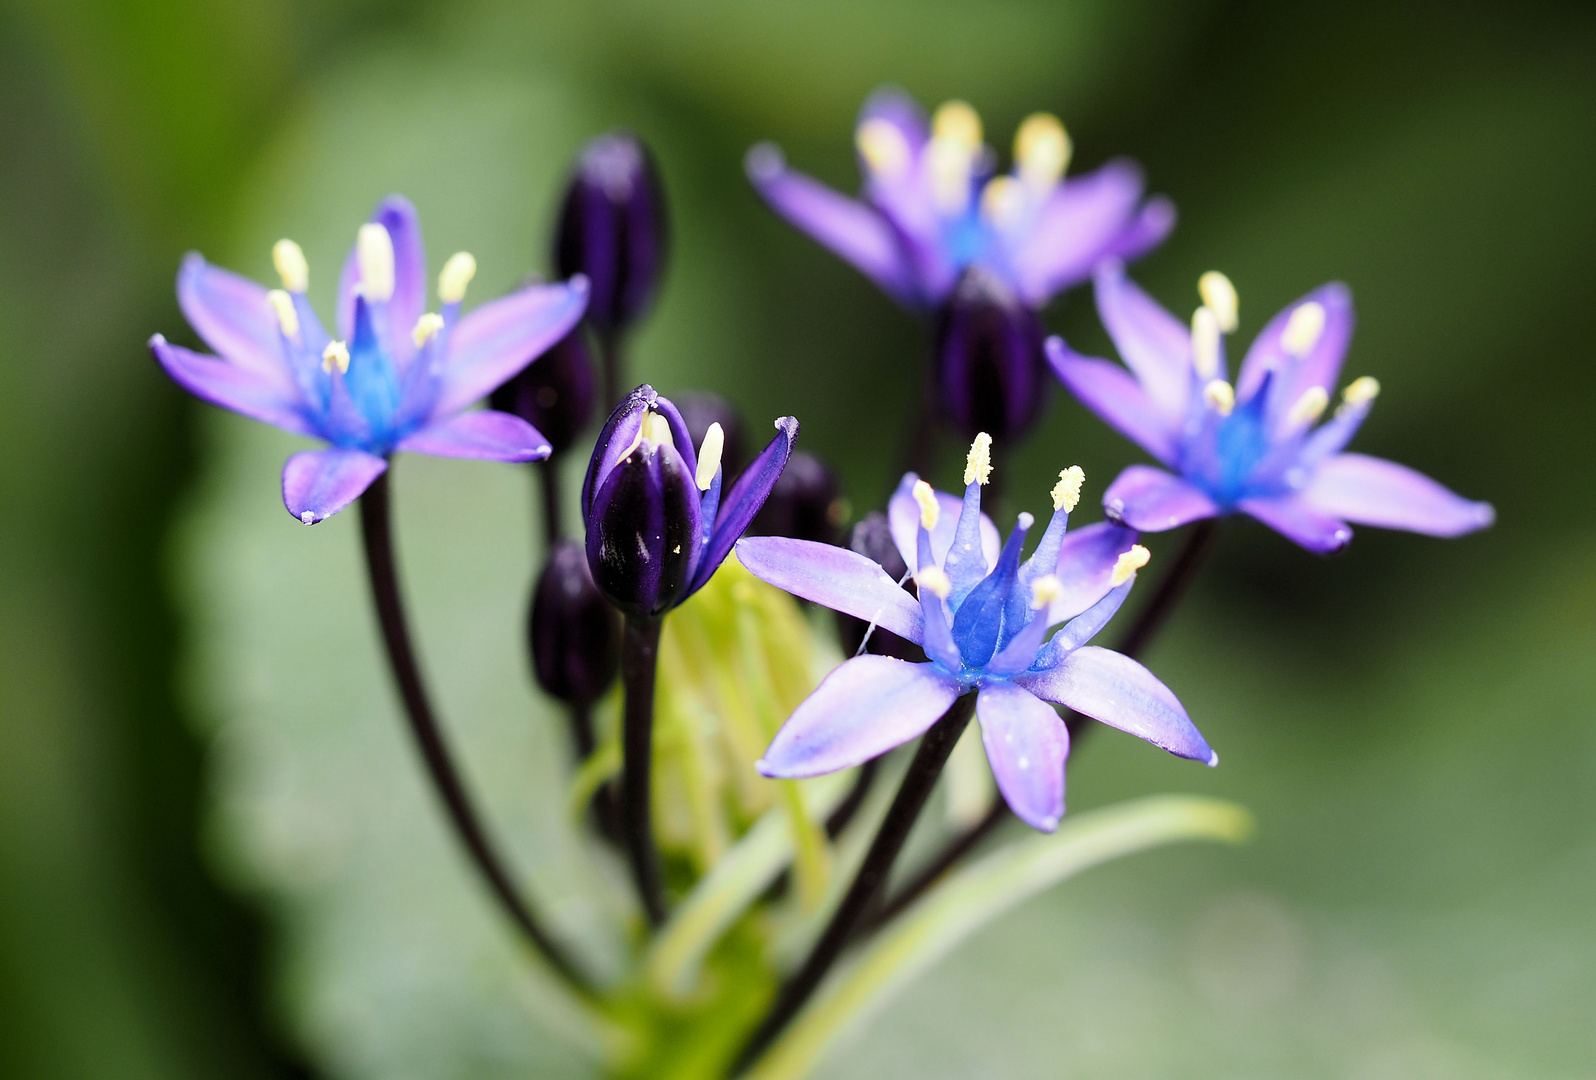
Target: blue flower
(398,377)
(983,618)
(1256,446)
(933,207)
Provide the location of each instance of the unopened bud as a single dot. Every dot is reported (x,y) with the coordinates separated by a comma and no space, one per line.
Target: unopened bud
(612,228)
(990,371)
(555,393)
(575,636)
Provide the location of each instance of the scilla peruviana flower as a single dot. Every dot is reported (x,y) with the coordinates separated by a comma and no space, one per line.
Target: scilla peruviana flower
(397,377)
(983,618)
(1254,447)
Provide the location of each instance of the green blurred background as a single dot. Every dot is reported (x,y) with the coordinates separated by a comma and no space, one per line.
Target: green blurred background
(1412,721)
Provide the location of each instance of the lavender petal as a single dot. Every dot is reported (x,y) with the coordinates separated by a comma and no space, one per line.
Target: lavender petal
(1292,517)
(747,495)
(232,387)
(500,338)
(1085,219)
(1152,500)
(1026,744)
(835,577)
(1116,397)
(234,317)
(486,435)
(1152,342)
(319,483)
(1086,567)
(1373,491)
(903,517)
(1319,367)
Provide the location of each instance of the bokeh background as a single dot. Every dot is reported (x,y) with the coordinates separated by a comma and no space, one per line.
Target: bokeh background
(207,813)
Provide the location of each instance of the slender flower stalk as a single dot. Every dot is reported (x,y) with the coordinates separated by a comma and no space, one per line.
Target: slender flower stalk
(639,663)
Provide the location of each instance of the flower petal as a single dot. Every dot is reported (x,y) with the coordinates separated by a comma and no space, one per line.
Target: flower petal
(1026,744)
(903,516)
(747,495)
(234,317)
(1116,397)
(1292,517)
(1373,491)
(1118,691)
(1086,219)
(835,577)
(1154,222)
(1086,567)
(1084,627)
(1153,500)
(319,483)
(1322,364)
(1152,342)
(232,387)
(864,708)
(486,435)
(500,338)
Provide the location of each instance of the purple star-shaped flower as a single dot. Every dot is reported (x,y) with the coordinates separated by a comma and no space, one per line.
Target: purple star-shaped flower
(1255,447)
(932,206)
(983,618)
(398,377)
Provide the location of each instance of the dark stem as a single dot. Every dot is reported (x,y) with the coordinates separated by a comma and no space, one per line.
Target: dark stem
(639,659)
(582,739)
(932,754)
(610,351)
(377,531)
(927,876)
(549,482)
(843,814)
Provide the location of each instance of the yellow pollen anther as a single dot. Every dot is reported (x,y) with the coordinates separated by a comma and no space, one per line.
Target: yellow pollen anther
(291,265)
(374,252)
(1128,563)
(1221,396)
(949,165)
(1045,590)
(1003,201)
(978,462)
(657,430)
(1303,329)
(1361,390)
(1205,342)
(709,456)
(934,581)
(929,510)
(455,276)
(335,355)
(287,317)
(427,327)
(1219,296)
(883,147)
(1041,151)
(1067,492)
(1309,407)
(956,122)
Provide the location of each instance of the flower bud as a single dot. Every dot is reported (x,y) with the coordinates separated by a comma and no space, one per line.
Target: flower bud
(575,636)
(805,504)
(612,228)
(990,371)
(872,538)
(555,394)
(700,410)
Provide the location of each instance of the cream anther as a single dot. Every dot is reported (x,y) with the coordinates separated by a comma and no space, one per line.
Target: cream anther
(291,265)
(1045,591)
(1003,202)
(934,581)
(883,147)
(949,165)
(455,276)
(1128,563)
(1361,391)
(1303,329)
(374,252)
(427,327)
(709,457)
(335,355)
(287,317)
(978,462)
(656,429)
(1309,407)
(958,123)
(1041,151)
(1220,396)
(1219,296)
(1205,342)
(1067,492)
(929,510)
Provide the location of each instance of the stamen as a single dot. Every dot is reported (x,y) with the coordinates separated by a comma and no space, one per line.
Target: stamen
(934,581)
(455,276)
(656,429)
(1221,396)
(949,163)
(287,317)
(427,327)
(1067,492)
(291,265)
(929,509)
(1205,342)
(336,354)
(1128,563)
(978,462)
(374,251)
(883,147)
(1219,296)
(957,122)
(1303,329)
(1003,201)
(1309,407)
(1041,151)
(1361,390)
(709,456)
(1045,591)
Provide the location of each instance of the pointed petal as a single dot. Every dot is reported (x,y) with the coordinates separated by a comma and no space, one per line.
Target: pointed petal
(500,338)
(1292,517)
(1085,626)
(1086,219)
(234,317)
(232,387)
(1116,397)
(1121,693)
(398,216)
(1086,567)
(903,516)
(864,708)
(966,563)
(899,109)
(840,579)
(1322,364)
(1026,744)
(486,435)
(1152,500)
(747,495)
(319,483)
(1373,491)
(1152,342)
(1152,225)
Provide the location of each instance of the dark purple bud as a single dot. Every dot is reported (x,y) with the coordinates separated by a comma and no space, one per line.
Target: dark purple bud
(702,409)
(990,372)
(805,504)
(872,538)
(575,635)
(612,228)
(555,394)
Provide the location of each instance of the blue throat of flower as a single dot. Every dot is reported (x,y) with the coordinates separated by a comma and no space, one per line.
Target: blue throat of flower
(1231,456)
(372,379)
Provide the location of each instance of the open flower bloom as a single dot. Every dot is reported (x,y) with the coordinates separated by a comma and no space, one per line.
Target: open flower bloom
(984,618)
(397,377)
(1256,446)
(932,205)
